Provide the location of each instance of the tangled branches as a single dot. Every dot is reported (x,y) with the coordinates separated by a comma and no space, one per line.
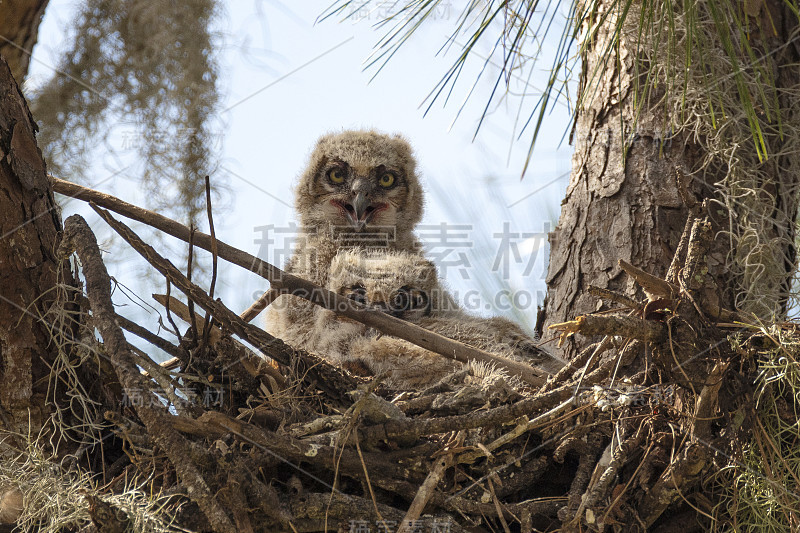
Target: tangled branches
(624,438)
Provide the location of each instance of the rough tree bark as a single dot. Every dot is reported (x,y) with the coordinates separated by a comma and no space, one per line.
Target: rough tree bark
(29,233)
(19,29)
(629,207)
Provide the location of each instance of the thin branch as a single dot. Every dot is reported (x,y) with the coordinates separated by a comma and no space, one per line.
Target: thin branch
(214,256)
(680,252)
(707,402)
(625,326)
(651,284)
(606,294)
(185,314)
(700,241)
(259,305)
(425,492)
(149,336)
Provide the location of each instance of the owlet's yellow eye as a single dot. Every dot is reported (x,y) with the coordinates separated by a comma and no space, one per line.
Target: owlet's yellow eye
(387,180)
(336,175)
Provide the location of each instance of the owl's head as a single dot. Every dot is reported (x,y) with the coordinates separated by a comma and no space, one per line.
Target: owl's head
(360,181)
(399,283)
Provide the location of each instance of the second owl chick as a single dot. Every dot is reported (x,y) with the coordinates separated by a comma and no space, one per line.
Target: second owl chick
(406,285)
(399,283)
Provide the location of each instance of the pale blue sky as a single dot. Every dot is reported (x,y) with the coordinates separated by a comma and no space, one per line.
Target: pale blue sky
(286,80)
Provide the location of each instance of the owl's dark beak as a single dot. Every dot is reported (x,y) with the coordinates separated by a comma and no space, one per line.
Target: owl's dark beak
(360,211)
(361,206)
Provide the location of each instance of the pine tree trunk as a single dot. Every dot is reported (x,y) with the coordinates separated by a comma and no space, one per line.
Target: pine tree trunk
(627,205)
(29,225)
(19,29)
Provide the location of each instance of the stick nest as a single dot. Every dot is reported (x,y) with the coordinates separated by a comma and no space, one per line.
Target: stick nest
(682,416)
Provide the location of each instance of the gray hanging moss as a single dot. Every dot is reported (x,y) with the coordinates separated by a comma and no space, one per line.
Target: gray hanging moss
(148,63)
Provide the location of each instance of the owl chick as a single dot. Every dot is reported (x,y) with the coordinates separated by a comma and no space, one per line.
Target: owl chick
(359,189)
(405,285)
(402,284)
